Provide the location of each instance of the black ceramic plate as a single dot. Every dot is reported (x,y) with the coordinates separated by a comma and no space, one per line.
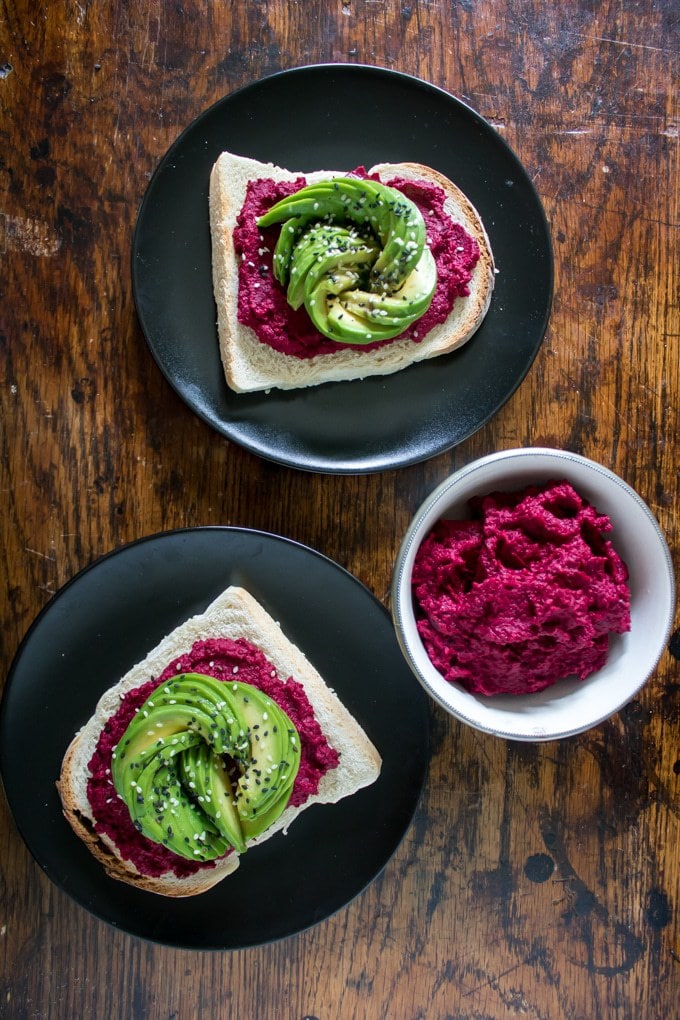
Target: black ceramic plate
(108,618)
(339,116)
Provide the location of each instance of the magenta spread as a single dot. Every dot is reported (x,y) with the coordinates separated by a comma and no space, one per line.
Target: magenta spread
(521,595)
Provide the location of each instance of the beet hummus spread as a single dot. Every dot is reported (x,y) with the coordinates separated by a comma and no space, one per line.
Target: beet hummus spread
(262,303)
(223,659)
(523,594)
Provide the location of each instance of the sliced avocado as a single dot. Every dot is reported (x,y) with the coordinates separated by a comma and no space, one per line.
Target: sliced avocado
(318,302)
(359,316)
(188,701)
(401,307)
(325,236)
(348,327)
(205,775)
(283,251)
(162,810)
(275,757)
(170,766)
(343,250)
(324,251)
(394,218)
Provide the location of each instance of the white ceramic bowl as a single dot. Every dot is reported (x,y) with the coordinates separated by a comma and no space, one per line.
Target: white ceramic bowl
(570,706)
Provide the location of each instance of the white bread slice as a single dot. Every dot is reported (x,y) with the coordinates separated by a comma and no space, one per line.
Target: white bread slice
(233,614)
(251,365)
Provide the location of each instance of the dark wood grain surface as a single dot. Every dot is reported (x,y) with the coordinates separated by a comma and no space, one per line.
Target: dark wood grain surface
(536,881)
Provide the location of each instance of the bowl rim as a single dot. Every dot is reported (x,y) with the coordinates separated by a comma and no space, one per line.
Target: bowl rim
(398,592)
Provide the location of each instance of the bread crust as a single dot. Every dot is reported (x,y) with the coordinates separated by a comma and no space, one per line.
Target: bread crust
(233,614)
(250,365)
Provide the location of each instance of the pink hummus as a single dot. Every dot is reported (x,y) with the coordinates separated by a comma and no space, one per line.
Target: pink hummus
(223,659)
(262,303)
(523,594)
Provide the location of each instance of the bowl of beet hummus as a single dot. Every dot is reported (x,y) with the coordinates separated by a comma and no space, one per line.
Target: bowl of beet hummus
(533,594)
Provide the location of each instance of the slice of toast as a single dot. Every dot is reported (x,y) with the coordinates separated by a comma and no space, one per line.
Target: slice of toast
(251,365)
(234,614)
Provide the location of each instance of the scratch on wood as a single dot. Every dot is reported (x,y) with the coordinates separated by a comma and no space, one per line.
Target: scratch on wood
(36,552)
(619,42)
(492,981)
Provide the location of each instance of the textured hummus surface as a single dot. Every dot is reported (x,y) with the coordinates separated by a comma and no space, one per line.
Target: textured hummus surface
(521,595)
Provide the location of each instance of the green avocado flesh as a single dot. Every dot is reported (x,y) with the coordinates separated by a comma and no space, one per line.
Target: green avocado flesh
(205,765)
(354,253)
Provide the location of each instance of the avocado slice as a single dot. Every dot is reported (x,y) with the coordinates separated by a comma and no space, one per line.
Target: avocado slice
(275,756)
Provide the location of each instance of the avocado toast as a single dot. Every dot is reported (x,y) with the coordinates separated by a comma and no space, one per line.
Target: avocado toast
(245,270)
(218,739)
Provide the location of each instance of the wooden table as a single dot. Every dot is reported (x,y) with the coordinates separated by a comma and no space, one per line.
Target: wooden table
(537,881)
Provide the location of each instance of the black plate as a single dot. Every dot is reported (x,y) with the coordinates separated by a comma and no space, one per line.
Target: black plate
(106,619)
(339,116)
